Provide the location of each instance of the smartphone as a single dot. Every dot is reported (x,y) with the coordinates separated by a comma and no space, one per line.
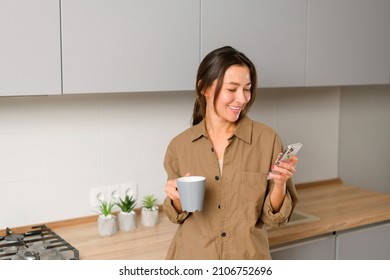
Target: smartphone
(291,149)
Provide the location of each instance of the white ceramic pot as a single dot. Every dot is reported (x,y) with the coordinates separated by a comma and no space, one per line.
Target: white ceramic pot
(107,225)
(150,217)
(127,221)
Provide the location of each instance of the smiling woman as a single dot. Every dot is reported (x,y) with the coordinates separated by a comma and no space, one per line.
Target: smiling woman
(211,73)
(233,97)
(238,204)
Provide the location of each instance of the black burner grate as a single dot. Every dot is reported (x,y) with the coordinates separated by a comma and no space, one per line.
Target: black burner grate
(41,243)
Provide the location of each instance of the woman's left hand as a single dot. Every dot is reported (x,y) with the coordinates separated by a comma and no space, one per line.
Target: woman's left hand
(284,170)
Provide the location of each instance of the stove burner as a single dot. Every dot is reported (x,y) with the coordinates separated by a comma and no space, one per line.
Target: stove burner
(10,237)
(29,255)
(41,243)
(14,238)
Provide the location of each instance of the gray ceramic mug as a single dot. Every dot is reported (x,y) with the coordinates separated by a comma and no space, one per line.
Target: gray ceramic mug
(191,192)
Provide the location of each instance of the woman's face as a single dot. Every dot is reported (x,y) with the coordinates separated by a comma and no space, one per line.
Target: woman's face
(235,93)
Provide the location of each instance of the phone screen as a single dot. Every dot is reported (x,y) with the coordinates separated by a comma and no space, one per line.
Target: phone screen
(291,149)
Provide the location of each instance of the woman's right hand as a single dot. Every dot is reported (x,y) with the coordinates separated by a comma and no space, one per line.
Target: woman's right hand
(171,190)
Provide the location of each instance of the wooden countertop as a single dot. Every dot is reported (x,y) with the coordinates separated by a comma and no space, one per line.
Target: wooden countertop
(338,206)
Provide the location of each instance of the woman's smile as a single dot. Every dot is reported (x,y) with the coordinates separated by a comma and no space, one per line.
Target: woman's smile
(235,109)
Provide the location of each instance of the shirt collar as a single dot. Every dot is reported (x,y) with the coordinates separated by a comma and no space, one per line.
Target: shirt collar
(199,130)
(243,131)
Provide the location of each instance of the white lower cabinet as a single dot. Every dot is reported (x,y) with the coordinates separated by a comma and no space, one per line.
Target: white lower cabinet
(368,243)
(321,248)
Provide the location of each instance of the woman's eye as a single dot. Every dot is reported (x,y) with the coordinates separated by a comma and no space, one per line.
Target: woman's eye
(231,89)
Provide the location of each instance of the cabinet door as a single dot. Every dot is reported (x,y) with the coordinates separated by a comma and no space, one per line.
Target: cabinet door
(370,243)
(321,248)
(348,42)
(30,56)
(122,46)
(272,33)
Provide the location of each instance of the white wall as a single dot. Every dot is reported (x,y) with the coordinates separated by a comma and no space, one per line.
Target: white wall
(309,116)
(365,137)
(55,149)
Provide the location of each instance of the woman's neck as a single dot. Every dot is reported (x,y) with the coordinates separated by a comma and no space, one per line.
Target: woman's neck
(219,133)
(219,128)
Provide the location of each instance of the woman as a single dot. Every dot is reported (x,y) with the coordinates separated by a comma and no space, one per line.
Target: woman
(235,154)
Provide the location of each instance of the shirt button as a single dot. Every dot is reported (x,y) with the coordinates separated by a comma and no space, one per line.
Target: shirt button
(212,149)
(219,206)
(216,178)
(223,234)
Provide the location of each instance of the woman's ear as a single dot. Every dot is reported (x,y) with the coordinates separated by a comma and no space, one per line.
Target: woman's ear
(199,85)
(209,92)
(203,91)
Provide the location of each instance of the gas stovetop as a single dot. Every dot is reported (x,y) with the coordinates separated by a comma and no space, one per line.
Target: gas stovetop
(40,243)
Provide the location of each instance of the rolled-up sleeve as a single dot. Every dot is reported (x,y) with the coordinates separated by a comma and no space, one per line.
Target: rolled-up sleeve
(282,217)
(172,214)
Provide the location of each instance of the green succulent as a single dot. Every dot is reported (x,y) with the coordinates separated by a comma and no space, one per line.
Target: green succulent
(149,202)
(126,205)
(105,208)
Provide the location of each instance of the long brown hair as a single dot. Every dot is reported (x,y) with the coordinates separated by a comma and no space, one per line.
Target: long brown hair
(213,67)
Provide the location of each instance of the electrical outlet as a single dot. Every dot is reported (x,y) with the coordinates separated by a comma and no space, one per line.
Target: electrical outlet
(96,195)
(114,192)
(130,189)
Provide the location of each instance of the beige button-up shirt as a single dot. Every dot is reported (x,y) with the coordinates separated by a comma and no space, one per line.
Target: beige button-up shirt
(237,208)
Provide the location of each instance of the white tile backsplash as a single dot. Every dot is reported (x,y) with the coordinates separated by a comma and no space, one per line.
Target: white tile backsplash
(55,149)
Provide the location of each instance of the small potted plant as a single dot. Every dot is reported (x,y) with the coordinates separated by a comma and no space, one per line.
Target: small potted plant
(149,215)
(127,216)
(106,220)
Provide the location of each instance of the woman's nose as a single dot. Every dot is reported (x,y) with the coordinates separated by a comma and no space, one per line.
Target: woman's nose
(241,96)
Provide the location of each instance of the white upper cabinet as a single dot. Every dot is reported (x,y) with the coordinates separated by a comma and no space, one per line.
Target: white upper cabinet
(348,42)
(94,46)
(123,46)
(30,57)
(272,33)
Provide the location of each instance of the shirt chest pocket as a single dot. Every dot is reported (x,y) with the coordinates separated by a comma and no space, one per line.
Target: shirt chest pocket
(252,192)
